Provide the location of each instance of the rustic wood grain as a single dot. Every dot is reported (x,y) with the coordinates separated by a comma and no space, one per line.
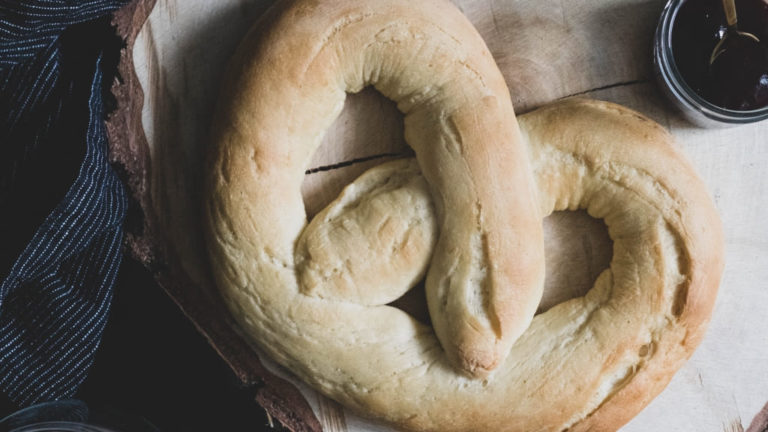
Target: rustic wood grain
(547,50)
(331,415)
(760,422)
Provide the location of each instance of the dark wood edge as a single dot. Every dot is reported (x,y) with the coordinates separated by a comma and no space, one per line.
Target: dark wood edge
(130,155)
(760,422)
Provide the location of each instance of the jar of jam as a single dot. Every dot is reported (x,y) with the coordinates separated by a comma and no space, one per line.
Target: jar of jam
(733,89)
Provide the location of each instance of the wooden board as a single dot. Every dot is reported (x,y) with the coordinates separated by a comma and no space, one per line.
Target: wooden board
(547,50)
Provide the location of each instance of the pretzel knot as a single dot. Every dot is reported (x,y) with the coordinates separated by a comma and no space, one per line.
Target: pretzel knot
(466,213)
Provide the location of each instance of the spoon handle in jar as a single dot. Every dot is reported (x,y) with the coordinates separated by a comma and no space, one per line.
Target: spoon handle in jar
(729,6)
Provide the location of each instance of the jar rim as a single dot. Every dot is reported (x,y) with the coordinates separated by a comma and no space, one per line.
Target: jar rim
(72,415)
(670,74)
(60,427)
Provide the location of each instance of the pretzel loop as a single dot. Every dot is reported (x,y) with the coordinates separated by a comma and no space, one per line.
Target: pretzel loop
(467,213)
(485,278)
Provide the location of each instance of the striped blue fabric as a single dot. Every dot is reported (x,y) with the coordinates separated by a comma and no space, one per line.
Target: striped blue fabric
(61,204)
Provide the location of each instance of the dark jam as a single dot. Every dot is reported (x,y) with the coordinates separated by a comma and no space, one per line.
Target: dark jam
(738,79)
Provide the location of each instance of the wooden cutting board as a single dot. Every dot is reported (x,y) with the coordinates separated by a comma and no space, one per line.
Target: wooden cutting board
(547,50)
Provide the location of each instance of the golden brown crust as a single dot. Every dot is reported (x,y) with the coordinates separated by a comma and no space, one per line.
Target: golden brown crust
(482,294)
(694,219)
(590,363)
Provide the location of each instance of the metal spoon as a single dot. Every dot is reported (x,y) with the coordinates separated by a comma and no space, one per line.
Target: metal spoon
(731,31)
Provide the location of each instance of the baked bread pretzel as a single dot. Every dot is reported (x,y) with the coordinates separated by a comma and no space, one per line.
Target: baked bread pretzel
(467,213)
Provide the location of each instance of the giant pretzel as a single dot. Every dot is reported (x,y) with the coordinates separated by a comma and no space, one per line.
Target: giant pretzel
(466,213)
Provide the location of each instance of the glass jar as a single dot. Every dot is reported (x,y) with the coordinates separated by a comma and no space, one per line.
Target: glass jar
(72,416)
(695,108)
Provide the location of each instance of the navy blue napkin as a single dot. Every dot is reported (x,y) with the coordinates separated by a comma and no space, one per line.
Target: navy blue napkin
(61,203)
